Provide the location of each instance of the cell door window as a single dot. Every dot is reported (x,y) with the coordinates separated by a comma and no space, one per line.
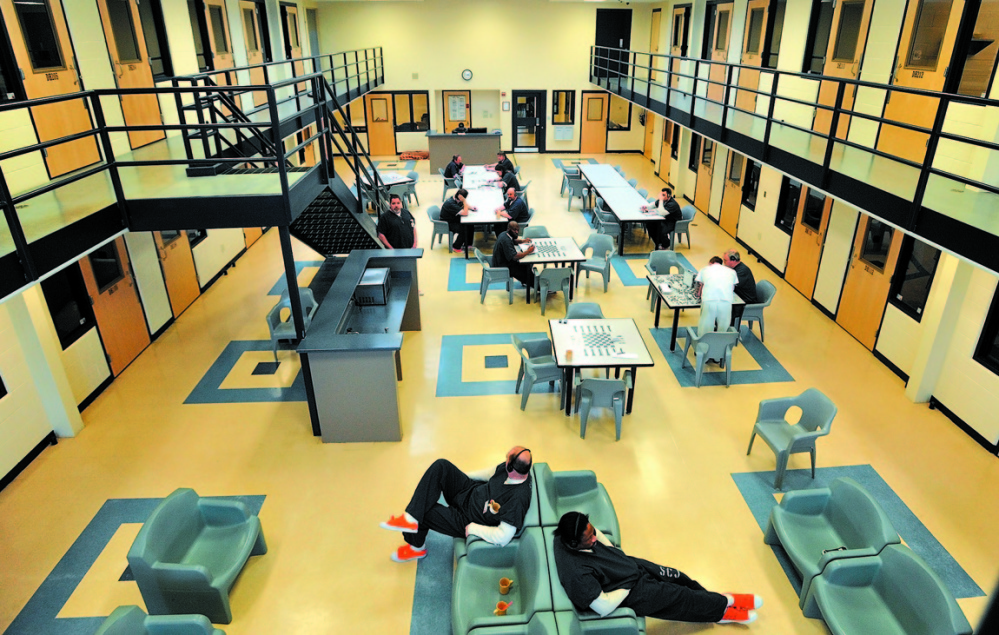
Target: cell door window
(751,186)
(154,32)
(877,243)
(773,52)
(674,141)
(250,29)
(928,34)
(819,30)
(564,107)
(40,36)
(755,38)
(120,14)
(709,148)
(11,88)
(787,204)
(910,289)
(677,30)
(196,236)
(200,35)
(218,29)
(107,266)
(721,37)
(815,203)
(735,168)
(695,152)
(69,304)
(850,18)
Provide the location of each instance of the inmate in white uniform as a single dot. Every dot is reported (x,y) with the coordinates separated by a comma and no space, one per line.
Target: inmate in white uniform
(716,297)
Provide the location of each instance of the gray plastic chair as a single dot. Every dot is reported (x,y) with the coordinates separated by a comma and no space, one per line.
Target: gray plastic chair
(411,187)
(644,193)
(817,414)
(716,345)
(584,311)
(554,279)
(284,329)
(633,183)
(601,249)
(682,227)
(619,170)
(492,275)
(578,188)
(530,217)
(568,173)
(441,228)
(602,393)
(536,231)
(537,372)
(607,224)
(516,170)
(538,349)
(448,183)
(661,263)
(765,292)
(132,620)
(522,192)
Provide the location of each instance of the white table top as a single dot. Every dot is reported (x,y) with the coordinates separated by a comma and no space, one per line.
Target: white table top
(485,200)
(388,178)
(606,343)
(602,175)
(476,176)
(553,250)
(626,204)
(677,295)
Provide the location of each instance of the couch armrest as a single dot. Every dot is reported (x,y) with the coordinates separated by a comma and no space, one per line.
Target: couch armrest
(852,571)
(773,409)
(806,502)
(574,482)
(174,576)
(220,512)
(830,556)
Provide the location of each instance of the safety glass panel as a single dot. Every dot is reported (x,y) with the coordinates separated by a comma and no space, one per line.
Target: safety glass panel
(735,168)
(39,34)
(721,37)
(564,106)
(123,28)
(421,111)
(107,266)
(912,287)
(814,204)
(706,155)
(928,34)
(848,34)
(218,29)
(755,31)
(250,28)
(877,242)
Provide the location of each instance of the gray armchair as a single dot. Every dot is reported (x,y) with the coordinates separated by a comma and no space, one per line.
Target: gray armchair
(411,187)
(491,275)
(765,292)
(189,551)
(602,393)
(578,490)
(601,249)
(682,227)
(131,620)
(711,345)
(282,328)
(554,279)
(448,183)
(441,228)
(577,188)
(817,414)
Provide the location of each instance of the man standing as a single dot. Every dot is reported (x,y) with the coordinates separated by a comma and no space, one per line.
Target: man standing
(514,208)
(505,254)
(597,575)
(717,285)
(397,227)
(746,287)
(672,212)
(454,168)
(491,504)
(503,162)
(451,211)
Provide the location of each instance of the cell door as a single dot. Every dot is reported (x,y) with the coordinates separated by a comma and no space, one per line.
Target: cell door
(254,47)
(381,129)
(665,149)
(844,52)
(731,203)
(528,116)
(807,241)
(924,55)
(657,15)
(719,50)
(593,130)
(457,109)
(120,320)
(218,37)
(868,281)
(679,40)
(177,263)
(650,129)
(702,192)
(753,41)
(293,40)
(40,41)
(123,31)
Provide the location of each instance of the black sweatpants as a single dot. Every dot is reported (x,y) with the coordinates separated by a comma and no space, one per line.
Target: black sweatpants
(461,234)
(668,594)
(440,478)
(524,273)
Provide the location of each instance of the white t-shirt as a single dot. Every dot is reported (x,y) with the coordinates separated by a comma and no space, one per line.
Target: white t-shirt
(719,283)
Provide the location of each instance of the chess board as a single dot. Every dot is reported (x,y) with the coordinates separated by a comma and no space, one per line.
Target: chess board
(547,247)
(599,341)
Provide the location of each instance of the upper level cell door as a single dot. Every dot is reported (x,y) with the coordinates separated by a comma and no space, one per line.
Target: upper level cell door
(254,47)
(43,51)
(218,37)
(719,51)
(293,41)
(844,53)
(929,33)
(593,129)
(127,46)
(753,41)
(679,40)
(655,62)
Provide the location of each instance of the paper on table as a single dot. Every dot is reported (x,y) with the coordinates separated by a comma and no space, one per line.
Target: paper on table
(625,355)
(665,287)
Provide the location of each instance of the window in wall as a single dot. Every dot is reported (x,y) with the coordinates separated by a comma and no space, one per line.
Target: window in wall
(106,265)
(674,141)
(735,168)
(755,38)
(154,33)
(355,112)
(928,34)
(218,29)
(39,34)
(196,236)
(564,107)
(773,51)
(195,11)
(818,36)
(877,242)
(619,117)
(11,88)
(815,203)
(695,152)
(69,304)
(708,153)
(848,34)
(411,112)
(787,204)
(120,16)
(910,287)
(751,185)
(987,351)
(721,36)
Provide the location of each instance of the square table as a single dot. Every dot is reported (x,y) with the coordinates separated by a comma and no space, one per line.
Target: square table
(486,200)
(679,296)
(604,343)
(554,251)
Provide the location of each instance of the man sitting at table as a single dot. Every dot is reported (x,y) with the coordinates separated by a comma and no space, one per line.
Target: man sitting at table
(460,129)
(505,254)
(746,289)
(502,162)
(716,291)
(672,213)
(451,212)
(454,168)
(507,179)
(514,208)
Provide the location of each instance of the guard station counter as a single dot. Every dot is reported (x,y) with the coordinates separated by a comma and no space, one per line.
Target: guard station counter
(474,148)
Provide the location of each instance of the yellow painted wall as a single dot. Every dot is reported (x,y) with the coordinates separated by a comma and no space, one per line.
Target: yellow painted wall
(757,228)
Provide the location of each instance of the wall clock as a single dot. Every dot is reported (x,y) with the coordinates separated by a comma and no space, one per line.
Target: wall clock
(466,75)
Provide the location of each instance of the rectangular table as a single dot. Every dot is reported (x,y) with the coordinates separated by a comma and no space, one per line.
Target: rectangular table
(486,200)
(388,178)
(621,198)
(679,296)
(606,343)
(476,176)
(602,174)
(555,251)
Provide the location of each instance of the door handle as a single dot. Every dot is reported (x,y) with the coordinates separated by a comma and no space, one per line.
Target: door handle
(120,73)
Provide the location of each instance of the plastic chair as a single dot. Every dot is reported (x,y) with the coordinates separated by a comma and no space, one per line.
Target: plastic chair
(643,193)
(411,187)
(584,311)
(602,393)
(682,227)
(577,490)
(601,249)
(554,279)
(578,188)
(189,551)
(538,349)
(132,620)
(516,170)
(536,372)
(492,275)
(765,292)
(660,263)
(530,217)
(618,169)
(607,224)
(448,183)
(818,526)
(711,345)
(568,173)
(522,192)
(894,593)
(282,329)
(441,228)
(634,183)
(536,231)
(817,414)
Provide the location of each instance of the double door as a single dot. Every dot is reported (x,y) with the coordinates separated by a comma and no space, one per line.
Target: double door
(529,110)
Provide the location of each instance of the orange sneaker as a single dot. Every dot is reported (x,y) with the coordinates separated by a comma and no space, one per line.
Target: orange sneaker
(399,523)
(735,615)
(406,553)
(746,601)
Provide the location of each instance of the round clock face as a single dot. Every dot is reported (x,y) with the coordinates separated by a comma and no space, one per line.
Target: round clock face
(466,74)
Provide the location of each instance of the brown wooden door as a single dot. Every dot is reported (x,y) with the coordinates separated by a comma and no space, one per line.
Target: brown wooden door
(44,55)
(752,53)
(123,32)
(254,47)
(218,38)
(702,192)
(807,241)
(865,292)
(593,130)
(381,129)
(293,41)
(847,39)
(457,106)
(665,150)
(657,15)
(719,51)
(924,56)
(177,262)
(120,320)
(650,129)
(731,204)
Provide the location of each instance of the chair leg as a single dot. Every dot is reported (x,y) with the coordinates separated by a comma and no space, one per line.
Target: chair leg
(543,296)
(606,277)
(782,458)
(751,439)
(509,290)
(728,367)
(584,414)
(699,370)
(528,385)
(761,329)
(520,376)
(812,452)
(618,404)
(483,287)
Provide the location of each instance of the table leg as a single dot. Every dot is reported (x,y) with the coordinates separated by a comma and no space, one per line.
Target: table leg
(620,242)
(659,306)
(676,325)
(567,389)
(572,283)
(631,392)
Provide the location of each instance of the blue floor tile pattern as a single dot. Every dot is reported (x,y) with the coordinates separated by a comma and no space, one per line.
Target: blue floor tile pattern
(457,276)
(497,361)
(449,382)
(627,275)
(208,389)
(432,591)
(266,368)
(39,615)
(770,370)
(757,490)
(281,285)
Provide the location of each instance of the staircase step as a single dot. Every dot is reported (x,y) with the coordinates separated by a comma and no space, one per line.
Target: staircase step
(328,226)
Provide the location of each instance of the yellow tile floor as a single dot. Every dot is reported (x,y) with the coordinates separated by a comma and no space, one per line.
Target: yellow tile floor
(328,568)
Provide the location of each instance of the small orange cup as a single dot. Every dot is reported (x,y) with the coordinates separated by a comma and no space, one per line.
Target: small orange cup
(505,584)
(501,608)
